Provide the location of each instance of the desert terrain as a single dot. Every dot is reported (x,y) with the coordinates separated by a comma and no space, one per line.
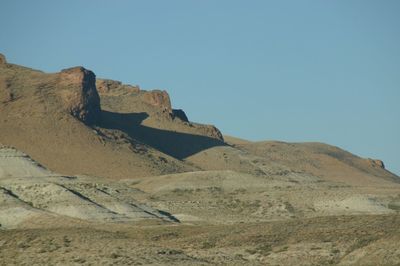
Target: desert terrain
(97,172)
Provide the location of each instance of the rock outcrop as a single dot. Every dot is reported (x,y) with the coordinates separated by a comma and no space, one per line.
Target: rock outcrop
(159,99)
(5,94)
(212,131)
(2,59)
(108,85)
(179,113)
(79,94)
(376,163)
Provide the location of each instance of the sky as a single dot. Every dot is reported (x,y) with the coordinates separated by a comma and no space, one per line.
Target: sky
(325,71)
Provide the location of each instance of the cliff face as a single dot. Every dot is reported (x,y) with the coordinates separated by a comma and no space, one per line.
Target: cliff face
(115,87)
(157,108)
(72,90)
(79,94)
(159,99)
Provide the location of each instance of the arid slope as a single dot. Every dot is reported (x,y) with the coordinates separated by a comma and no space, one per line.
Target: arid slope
(101,172)
(57,119)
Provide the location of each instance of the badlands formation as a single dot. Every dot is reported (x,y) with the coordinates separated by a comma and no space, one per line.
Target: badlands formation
(96,172)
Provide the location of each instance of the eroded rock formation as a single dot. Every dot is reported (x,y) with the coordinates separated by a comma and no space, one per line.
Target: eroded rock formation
(79,94)
(179,113)
(376,163)
(158,98)
(108,85)
(2,59)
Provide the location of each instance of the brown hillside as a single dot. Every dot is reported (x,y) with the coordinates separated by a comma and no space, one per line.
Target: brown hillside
(57,119)
(107,173)
(75,124)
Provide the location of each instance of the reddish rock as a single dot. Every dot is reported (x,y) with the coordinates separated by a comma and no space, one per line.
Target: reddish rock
(108,85)
(79,94)
(158,98)
(105,85)
(2,59)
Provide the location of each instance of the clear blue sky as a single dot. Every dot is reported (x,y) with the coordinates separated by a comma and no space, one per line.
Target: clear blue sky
(324,71)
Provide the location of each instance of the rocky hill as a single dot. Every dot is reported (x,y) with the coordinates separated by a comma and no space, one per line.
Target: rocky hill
(60,120)
(94,171)
(73,123)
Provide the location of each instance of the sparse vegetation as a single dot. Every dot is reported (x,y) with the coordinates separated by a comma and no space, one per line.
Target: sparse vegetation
(158,190)
(394,206)
(182,191)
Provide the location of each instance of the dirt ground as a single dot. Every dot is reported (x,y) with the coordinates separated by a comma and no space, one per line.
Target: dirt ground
(344,240)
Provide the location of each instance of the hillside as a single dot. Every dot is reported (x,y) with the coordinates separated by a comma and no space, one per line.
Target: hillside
(57,119)
(109,129)
(94,171)
(31,193)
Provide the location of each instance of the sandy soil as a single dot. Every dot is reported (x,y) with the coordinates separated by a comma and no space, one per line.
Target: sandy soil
(345,240)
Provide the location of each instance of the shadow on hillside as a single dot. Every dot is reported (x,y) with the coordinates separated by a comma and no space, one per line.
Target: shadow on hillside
(176,144)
